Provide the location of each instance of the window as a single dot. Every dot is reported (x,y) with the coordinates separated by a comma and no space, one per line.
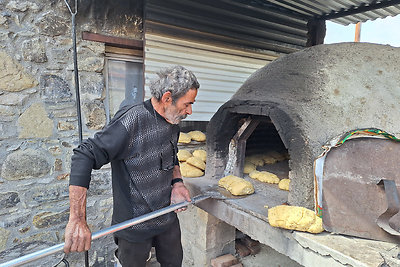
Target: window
(124,81)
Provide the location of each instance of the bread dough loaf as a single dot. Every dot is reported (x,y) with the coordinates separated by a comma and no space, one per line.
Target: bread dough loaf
(284,184)
(184,154)
(197,136)
(295,218)
(248,167)
(184,138)
(236,185)
(255,159)
(188,170)
(268,159)
(196,162)
(265,177)
(278,156)
(200,153)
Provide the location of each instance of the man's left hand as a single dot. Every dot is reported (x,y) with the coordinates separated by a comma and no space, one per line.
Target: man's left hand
(179,194)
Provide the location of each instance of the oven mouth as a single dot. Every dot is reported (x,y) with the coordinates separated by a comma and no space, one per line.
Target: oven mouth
(257,145)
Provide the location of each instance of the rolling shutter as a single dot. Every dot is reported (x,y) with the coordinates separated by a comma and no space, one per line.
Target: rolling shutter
(219,70)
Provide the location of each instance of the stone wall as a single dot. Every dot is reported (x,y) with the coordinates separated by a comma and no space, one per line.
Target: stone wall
(204,237)
(39,128)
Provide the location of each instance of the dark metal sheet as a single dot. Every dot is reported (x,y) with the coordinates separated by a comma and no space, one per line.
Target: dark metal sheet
(352,200)
(228,23)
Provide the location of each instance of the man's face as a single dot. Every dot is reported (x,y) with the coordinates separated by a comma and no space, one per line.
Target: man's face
(175,112)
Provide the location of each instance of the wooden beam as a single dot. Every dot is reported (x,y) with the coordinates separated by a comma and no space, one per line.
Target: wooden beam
(113,40)
(242,135)
(358,32)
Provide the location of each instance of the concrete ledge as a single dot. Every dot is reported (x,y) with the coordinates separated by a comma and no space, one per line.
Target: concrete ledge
(250,217)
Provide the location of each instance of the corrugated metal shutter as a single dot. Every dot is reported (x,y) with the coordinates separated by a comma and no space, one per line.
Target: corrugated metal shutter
(220,70)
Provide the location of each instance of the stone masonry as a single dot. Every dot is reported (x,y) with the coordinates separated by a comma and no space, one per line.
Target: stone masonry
(205,237)
(39,128)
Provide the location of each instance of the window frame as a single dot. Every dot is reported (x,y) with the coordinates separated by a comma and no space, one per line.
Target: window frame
(121,57)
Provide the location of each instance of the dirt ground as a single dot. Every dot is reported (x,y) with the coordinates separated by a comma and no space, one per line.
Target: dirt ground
(268,257)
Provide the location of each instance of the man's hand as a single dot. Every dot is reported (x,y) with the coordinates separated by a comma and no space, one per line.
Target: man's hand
(179,194)
(77,234)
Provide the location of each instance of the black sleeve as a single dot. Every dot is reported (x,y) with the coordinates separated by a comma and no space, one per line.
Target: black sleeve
(107,145)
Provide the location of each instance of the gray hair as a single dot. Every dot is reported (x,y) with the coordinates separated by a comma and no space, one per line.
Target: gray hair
(176,80)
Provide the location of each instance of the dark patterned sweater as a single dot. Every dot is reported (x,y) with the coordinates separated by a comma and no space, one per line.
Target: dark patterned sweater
(141,146)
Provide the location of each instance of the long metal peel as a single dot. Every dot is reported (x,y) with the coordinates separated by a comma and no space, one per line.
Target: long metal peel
(116,227)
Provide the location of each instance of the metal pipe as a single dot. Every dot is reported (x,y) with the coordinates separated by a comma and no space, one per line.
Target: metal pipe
(117,227)
(76,76)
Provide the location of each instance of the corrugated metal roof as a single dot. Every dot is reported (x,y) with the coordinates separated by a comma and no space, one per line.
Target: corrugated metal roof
(228,22)
(340,11)
(273,25)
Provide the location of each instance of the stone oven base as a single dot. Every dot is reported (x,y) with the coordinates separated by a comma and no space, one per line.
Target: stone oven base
(249,215)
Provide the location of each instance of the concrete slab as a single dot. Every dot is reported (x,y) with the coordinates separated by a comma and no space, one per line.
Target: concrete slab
(249,215)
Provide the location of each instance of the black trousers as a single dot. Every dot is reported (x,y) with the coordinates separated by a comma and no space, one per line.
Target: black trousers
(168,248)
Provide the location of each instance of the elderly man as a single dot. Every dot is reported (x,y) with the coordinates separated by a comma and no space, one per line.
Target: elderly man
(141,144)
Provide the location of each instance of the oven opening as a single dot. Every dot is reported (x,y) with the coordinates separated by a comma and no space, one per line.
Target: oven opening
(265,149)
(258,154)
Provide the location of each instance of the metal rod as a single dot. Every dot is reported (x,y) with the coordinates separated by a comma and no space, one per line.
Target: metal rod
(112,229)
(76,76)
